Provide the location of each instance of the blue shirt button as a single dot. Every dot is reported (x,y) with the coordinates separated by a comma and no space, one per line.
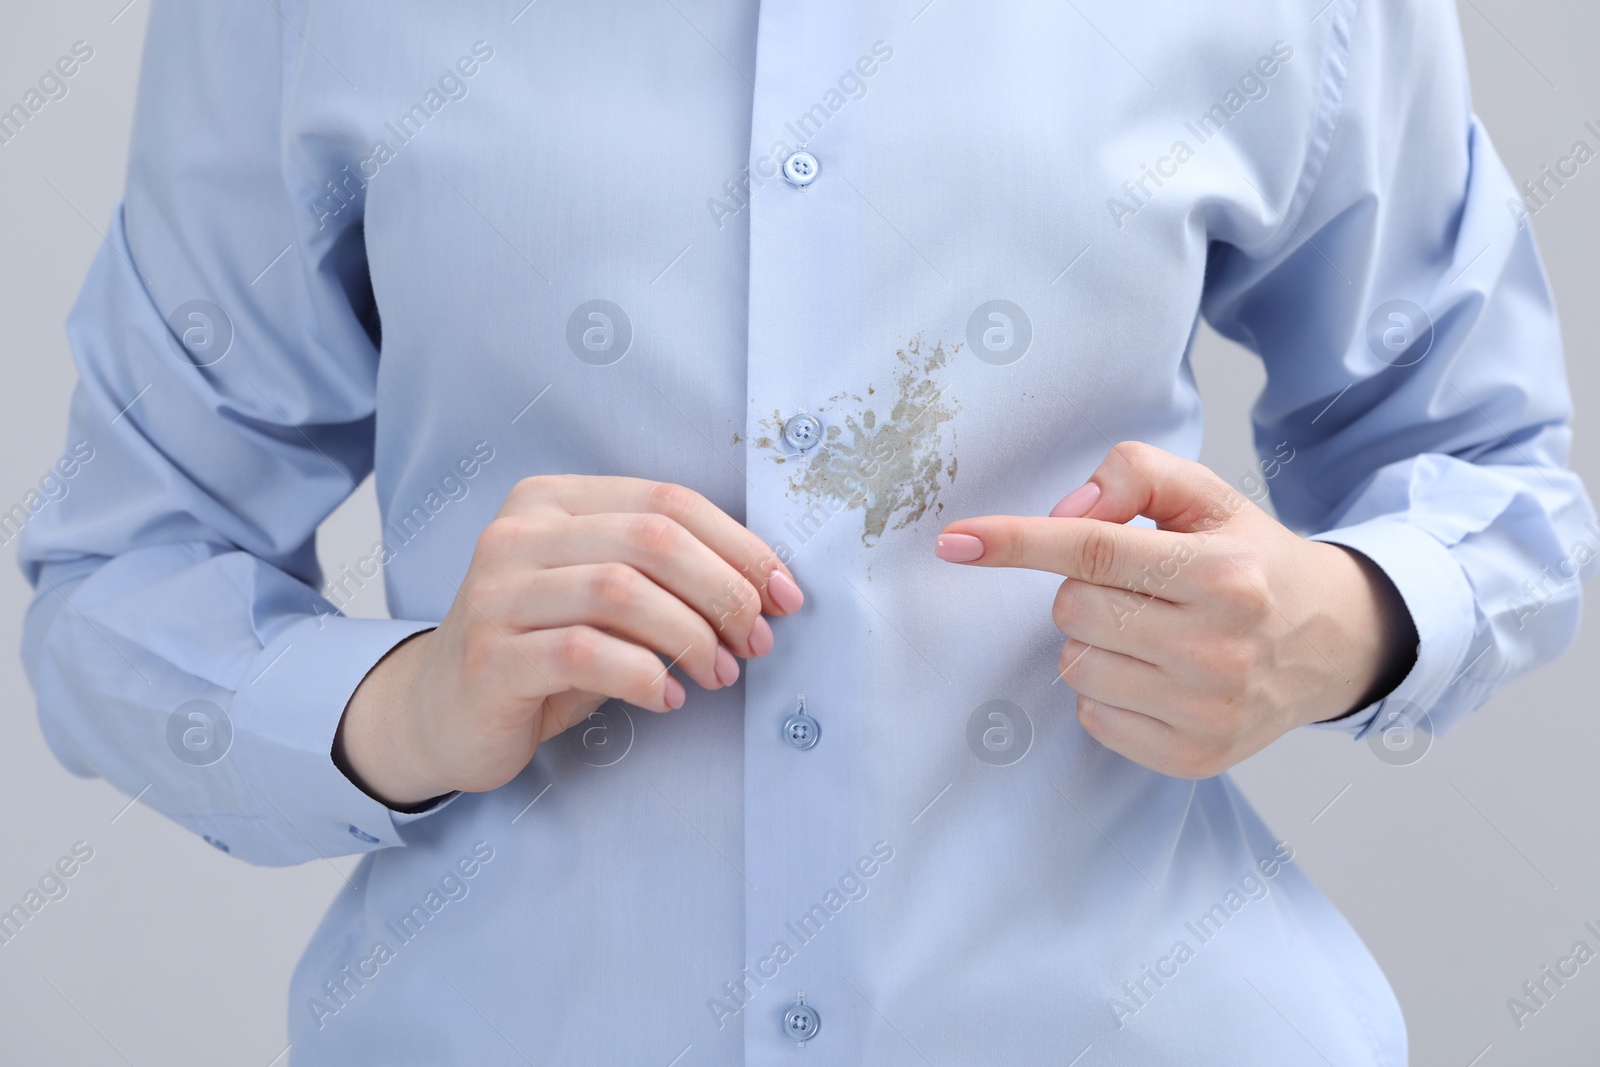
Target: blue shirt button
(361,835)
(802,431)
(801,1021)
(214,843)
(801,168)
(801,730)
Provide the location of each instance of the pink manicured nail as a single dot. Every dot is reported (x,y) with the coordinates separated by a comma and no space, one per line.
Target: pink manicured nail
(761,636)
(1076,504)
(675,693)
(727,667)
(784,592)
(958,548)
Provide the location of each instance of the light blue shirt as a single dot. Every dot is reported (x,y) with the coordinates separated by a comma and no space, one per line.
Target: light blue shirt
(581,239)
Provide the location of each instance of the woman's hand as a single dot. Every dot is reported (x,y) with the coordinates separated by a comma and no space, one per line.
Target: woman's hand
(1197,644)
(578,591)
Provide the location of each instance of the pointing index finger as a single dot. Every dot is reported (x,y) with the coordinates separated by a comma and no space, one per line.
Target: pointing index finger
(1091,550)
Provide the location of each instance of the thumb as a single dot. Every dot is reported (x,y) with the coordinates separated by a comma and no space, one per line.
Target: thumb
(1140,479)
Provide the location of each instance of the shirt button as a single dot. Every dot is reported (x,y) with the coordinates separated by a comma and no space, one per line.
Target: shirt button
(802,431)
(361,835)
(801,1021)
(800,168)
(800,730)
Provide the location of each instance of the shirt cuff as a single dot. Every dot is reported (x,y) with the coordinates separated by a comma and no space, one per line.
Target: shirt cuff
(1442,606)
(284,719)
(402,818)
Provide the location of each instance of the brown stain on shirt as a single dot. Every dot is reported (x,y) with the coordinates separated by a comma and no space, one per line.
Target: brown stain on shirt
(891,467)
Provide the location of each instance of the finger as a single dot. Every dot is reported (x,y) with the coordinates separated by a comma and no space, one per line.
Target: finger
(1146,741)
(618,599)
(651,543)
(713,527)
(1140,479)
(1101,553)
(582,657)
(1116,679)
(1134,624)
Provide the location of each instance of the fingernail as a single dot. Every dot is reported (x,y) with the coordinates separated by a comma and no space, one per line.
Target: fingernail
(727,666)
(1076,504)
(958,548)
(784,592)
(761,636)
(675,693)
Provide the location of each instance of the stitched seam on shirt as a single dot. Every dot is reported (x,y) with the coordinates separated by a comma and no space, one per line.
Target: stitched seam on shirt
(1335,77)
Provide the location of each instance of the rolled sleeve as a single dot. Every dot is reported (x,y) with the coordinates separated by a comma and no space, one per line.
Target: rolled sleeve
(187,546)
(1415,368)
(285,717)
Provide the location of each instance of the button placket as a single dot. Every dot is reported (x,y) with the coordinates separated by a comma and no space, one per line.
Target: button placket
(801,826)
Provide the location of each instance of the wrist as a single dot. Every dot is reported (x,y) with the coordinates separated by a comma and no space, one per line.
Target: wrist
(374,746)
(1379,628)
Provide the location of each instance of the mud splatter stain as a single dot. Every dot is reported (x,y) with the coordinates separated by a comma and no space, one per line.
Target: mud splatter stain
(891,467)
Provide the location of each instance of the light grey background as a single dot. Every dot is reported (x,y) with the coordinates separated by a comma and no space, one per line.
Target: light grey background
(1466,872)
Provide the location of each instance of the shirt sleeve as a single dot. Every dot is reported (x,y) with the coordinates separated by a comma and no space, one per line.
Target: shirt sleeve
(226,342)
(1416,407)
